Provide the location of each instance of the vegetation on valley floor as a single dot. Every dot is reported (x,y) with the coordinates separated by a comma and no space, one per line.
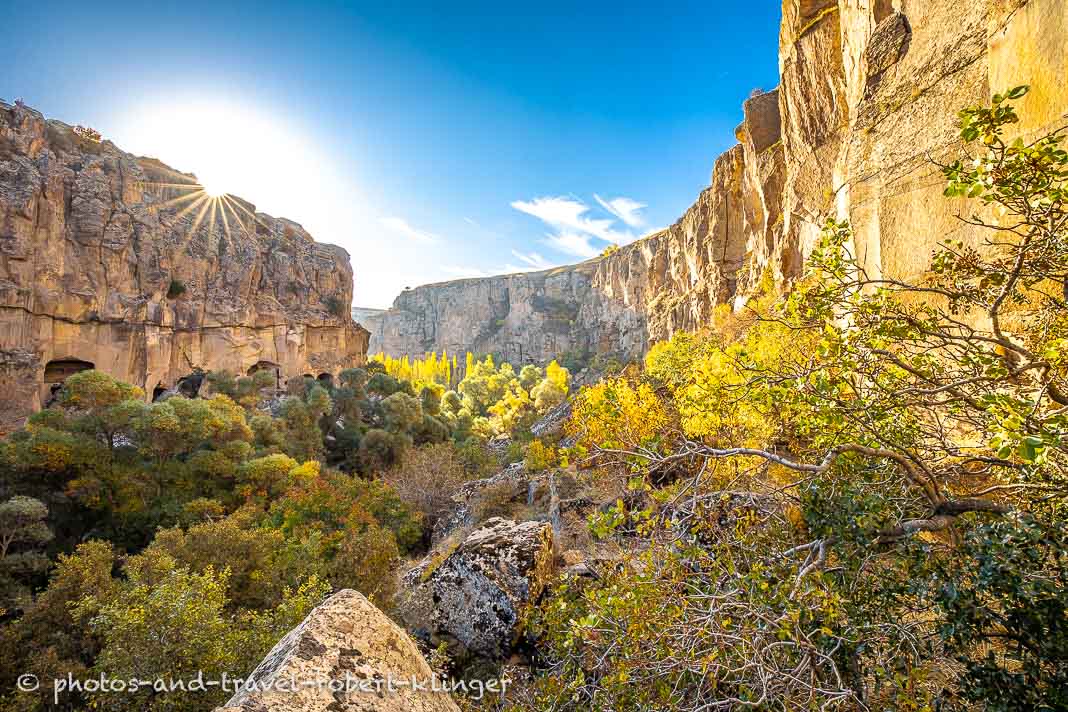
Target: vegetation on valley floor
(856,500)
(850,497)
(189,534)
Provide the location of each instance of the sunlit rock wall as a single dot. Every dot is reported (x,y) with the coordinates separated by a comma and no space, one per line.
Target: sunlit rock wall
(120,262)
(867,101)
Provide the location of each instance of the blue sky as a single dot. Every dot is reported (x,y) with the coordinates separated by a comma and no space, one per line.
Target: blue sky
(431,140)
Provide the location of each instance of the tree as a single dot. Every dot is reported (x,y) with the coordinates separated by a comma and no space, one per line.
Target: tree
(801,509)
(426,478)
(553,388)
(23,532)
(100,405)
(199,635)
(529,376)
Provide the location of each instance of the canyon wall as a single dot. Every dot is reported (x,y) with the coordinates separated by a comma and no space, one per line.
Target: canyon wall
(869,91)
(120,263)
(618,303)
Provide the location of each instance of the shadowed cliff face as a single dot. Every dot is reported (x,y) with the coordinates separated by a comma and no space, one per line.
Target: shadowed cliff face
(868,96)
(121,263)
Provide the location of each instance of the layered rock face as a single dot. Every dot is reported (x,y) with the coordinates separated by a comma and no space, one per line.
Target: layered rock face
(475,599)
(345,656)
(619,303)
(868,97)
(122,264)
(526,317)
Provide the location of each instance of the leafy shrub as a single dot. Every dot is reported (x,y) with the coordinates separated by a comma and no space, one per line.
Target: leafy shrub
(335,306)
(540,457)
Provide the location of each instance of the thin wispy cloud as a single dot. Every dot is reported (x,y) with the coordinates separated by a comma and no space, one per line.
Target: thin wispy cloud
(572,243)
(528,262)
(532,260)
(623,208)
(401,227)
(575,232)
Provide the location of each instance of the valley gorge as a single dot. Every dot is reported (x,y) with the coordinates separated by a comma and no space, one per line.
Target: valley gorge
(854,132)
(787,492)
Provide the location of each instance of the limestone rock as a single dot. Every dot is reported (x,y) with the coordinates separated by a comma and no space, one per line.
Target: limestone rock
(343,641)
(370,319)
(868,95)
(619,303)
(475,598)
(121,263)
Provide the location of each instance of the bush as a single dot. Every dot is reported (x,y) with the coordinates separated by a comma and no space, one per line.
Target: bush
(504,499)
(380,449)
(427,477)
(335,306)
(540,456)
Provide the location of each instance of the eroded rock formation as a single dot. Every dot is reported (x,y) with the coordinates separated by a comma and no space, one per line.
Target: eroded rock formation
(868,97)
(475,598)
(123,264)
(345,656)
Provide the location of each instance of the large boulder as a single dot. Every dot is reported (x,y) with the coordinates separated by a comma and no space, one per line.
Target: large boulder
(342,658)
(474,597)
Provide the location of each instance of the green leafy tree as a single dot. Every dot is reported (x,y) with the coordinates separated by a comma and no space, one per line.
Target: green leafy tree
(23,533)
(802,498)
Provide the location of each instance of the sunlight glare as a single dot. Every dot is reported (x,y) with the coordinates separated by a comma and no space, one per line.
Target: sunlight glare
(243,150)
(212,188)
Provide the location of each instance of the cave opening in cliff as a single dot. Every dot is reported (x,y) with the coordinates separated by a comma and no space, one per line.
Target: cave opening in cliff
(267,366)
(326,379)
(158,391)
(59,370)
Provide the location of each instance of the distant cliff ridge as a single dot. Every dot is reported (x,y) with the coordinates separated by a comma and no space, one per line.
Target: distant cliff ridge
(868,95)
(121,263)
(370,319)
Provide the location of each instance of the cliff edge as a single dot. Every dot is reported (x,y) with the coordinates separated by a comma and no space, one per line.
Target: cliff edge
(120,263)
(866,105)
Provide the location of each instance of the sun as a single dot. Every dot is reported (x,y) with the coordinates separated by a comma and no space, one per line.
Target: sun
(248,158)
(234,148)
(212,188)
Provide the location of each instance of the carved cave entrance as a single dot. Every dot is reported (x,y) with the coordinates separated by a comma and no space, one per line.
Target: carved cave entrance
(268,366)
(61,369)
(58,371)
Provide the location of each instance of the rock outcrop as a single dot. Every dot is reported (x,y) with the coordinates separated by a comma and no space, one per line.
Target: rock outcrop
(525,317)
(370,319)
(346,656)
(474,597)
(120,263)
(868,97)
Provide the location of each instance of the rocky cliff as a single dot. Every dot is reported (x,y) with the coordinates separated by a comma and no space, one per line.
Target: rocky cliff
(120,263)
(867,100)
(370,319)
